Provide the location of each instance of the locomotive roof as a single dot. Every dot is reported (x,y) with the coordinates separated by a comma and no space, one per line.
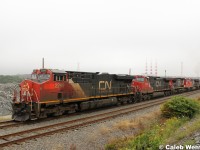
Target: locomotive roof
(63,71)
(122,76)
(57,71)
(80,72)
(162,78)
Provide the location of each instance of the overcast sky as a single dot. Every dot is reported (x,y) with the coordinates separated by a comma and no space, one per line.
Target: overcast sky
(102,36)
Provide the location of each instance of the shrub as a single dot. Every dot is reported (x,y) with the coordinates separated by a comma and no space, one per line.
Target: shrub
(180,106)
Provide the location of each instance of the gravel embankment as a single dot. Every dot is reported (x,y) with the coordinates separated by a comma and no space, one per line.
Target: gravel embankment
(91,137)
(6,94)
(31,125)
(194,137)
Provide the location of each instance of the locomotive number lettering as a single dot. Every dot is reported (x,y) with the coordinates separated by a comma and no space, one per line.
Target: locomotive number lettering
(103,85)
(25,87)
(59,85)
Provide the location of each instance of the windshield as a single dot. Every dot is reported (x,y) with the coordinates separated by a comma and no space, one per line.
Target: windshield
(140,79)
(43,77)
(40,77)
(34,76)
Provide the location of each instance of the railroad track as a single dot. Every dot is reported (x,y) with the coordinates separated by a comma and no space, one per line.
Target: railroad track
(10,123)
(6,123)
(22,136)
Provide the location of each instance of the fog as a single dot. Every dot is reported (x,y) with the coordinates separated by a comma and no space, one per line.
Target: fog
(101,36)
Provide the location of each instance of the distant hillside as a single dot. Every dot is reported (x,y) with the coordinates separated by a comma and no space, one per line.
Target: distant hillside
(13,78)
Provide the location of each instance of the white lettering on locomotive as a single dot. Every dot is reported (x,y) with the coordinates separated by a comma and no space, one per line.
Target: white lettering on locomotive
(158,83)
(104,85)
(25,87)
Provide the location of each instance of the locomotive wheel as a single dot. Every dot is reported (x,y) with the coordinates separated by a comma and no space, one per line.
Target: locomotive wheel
(148,97)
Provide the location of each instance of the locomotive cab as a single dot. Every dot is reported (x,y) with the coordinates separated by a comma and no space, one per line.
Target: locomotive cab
(45,86)
(30,89)
(188,84)
(142,84)
(29,95)
(40,76)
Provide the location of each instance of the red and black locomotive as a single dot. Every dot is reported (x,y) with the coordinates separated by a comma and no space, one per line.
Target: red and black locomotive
(56,92)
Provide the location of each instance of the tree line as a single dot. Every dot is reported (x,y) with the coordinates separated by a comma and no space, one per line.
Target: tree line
(10,79)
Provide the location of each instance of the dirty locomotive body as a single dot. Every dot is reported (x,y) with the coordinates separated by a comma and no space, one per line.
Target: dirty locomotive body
(56,92)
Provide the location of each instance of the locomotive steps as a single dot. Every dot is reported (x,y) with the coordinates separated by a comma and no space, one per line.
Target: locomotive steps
(25,135)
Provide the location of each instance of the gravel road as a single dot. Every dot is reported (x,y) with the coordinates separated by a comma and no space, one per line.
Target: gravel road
(95,136)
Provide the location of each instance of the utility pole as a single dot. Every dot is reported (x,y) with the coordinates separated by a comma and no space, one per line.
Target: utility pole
(165,73)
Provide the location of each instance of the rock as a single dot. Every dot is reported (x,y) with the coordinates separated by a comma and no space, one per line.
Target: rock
(6,94)
(198,142)
(196,134)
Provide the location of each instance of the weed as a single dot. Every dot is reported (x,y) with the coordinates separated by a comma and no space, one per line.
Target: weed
(105,130)
(73,147)
(151,139)
(58,147)
(189,128)
(189,142)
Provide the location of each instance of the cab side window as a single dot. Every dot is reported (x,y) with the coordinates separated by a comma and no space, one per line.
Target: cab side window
(59,77)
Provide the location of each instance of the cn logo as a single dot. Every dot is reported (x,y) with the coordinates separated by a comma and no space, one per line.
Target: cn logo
(104,85)
(158,84)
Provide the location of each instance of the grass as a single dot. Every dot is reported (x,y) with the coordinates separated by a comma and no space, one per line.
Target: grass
(186,130)
(156,130)
(138,123)
(189,142)
(124,125)
(105,130)
(150,138)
